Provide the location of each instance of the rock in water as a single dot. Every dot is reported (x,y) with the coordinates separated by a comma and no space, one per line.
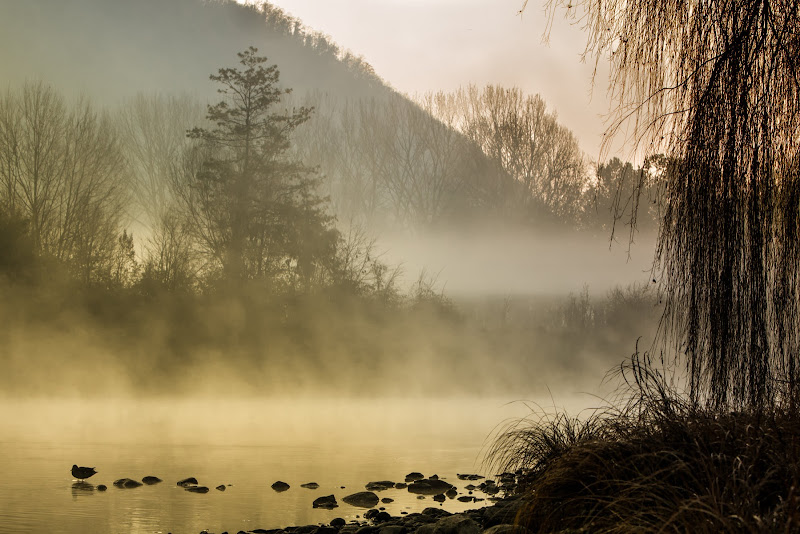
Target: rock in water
(439,498)
(411,477)
(429,487)
(187,482)
(328,501)
(379,485)
(280,486)
(102,487)
(127,483)
(221,487)
(362,499)
(310,485)
(150,480)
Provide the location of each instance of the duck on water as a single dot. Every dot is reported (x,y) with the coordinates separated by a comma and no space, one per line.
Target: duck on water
(82,473)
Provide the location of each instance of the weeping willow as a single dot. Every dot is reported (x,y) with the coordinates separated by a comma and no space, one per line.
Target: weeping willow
(714,86)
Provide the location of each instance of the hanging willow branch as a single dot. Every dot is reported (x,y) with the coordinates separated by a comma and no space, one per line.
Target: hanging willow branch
(715,86)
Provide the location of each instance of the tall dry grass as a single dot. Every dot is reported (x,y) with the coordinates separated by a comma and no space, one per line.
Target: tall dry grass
(656,462)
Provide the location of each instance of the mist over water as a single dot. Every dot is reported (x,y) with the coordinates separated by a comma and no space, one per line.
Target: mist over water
(372,307)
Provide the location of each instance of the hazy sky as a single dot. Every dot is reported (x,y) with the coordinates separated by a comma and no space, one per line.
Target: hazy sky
(428,45)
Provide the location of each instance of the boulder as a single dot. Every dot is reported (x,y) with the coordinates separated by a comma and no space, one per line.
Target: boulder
(362,499)
(280,486)
(451,493)
(187,482)
(102,487)
(150,480)
(338,522)
(221,487)
(328,501)
(400,485)
(387,500)
(439,498)
(370,514)
(196,489)
(392,529)
(310,485)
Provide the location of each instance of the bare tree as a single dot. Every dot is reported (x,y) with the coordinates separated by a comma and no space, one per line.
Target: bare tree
(62,170)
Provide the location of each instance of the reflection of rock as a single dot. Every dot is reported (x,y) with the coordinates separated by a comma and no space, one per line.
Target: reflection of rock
(411,477)
(280,486)
(310,485)
(127,483)
(187,482)
(379,485)
(150,480)
(197,489)
(429,487)
(328,501)
(362,499)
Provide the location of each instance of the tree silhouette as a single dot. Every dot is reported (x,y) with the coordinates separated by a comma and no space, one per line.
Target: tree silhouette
(715,86)
(255,210)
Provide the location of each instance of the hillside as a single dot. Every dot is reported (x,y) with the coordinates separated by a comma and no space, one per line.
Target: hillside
(110,49)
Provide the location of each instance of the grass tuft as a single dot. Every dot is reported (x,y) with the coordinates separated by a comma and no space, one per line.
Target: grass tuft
(655,462)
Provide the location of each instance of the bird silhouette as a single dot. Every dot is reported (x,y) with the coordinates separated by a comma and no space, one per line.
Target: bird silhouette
(82,473)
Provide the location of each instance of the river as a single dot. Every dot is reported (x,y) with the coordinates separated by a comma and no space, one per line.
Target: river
(246,445)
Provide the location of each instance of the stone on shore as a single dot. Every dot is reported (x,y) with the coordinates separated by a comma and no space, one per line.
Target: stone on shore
(362,499)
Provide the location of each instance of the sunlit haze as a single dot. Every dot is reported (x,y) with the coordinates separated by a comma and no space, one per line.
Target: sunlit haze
(419,46)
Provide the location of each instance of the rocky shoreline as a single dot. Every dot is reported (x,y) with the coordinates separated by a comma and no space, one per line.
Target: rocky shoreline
(497,518)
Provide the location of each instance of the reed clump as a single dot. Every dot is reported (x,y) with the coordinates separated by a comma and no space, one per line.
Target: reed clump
(657,462)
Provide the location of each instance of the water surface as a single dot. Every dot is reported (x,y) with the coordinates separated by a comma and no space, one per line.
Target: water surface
(248,444)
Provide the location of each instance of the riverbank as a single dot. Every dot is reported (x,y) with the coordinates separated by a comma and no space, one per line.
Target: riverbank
(498,518)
